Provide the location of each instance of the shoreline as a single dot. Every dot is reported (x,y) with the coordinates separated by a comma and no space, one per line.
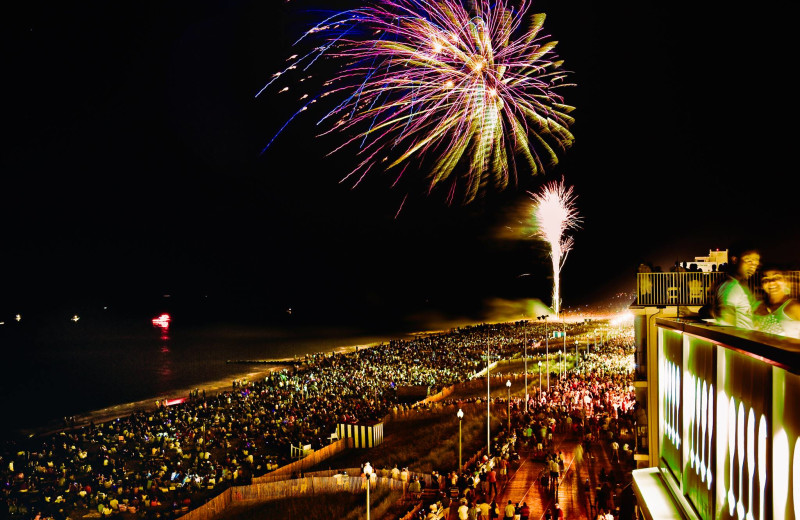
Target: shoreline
(117,411)
(212,387)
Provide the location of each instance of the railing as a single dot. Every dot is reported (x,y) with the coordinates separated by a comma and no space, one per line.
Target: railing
(692,288)
(728,421)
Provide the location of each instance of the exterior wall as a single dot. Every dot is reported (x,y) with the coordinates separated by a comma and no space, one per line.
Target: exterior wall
(646,383)
(728,422)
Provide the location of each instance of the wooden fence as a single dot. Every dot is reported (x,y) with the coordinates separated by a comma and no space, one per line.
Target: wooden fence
(288,488)
(278,484)
(414,511)
(309,461)
(211,508)
(438,397)
(447,391)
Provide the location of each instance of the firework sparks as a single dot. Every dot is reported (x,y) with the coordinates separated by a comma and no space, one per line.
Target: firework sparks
(450,89)
(554,213)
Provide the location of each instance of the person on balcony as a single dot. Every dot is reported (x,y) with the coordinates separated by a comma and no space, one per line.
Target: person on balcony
(779,313)
(733,302)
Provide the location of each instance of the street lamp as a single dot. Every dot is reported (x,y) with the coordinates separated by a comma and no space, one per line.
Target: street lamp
(368,473)
(576,354)
(546,347)
(488,403)
(565,344)
(559,363)
(508,385)
(460,415)
(525,340)
(540,379)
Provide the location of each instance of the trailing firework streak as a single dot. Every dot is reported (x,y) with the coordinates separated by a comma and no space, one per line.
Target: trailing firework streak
(554,214)
(448,88)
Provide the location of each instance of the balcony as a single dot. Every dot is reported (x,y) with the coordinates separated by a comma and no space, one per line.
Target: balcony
(726,423)
(690,288)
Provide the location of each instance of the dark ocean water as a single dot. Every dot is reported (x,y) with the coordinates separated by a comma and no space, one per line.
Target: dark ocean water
(54,369)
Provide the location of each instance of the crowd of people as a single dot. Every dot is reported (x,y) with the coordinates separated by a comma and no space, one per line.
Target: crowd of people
(163,461)
(593,403)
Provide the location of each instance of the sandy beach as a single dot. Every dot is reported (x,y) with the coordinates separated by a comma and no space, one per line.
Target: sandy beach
(251,370)
(123,410)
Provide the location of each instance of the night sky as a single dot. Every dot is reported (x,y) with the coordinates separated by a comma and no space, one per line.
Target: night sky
(132,165)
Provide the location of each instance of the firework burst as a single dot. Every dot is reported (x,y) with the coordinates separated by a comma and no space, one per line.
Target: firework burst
(554,213)
(462,93)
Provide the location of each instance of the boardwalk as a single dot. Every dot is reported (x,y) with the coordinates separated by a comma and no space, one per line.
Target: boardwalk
(524,484)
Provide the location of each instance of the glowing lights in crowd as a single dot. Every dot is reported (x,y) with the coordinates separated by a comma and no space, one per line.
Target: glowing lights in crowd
(554,213)
(450,88)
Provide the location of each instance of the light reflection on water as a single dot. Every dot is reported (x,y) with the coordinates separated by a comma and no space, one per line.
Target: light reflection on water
(72,371)
(165,365)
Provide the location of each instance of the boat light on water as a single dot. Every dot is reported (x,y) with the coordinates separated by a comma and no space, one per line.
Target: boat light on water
(162,321)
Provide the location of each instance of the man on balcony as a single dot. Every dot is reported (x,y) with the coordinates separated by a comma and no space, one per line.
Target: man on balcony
(733,302)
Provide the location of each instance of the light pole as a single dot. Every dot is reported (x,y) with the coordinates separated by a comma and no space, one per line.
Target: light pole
(460,416)
(540,379)
(368,473)
(525,340)
(560,358)
(488,403)
(576,353)
(546,348)
(508,385)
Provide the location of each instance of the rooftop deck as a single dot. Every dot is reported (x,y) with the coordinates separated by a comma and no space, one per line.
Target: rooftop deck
(690,288)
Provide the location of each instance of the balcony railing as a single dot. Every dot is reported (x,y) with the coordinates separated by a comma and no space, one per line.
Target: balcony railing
(692,288)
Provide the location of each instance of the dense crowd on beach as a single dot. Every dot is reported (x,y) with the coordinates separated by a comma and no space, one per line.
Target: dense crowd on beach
(593,402)
(164,461)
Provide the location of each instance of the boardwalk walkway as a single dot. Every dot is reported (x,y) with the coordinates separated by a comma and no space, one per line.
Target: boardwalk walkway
(524,483)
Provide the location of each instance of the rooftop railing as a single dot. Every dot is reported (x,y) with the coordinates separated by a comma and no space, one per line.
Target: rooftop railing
(692,288)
